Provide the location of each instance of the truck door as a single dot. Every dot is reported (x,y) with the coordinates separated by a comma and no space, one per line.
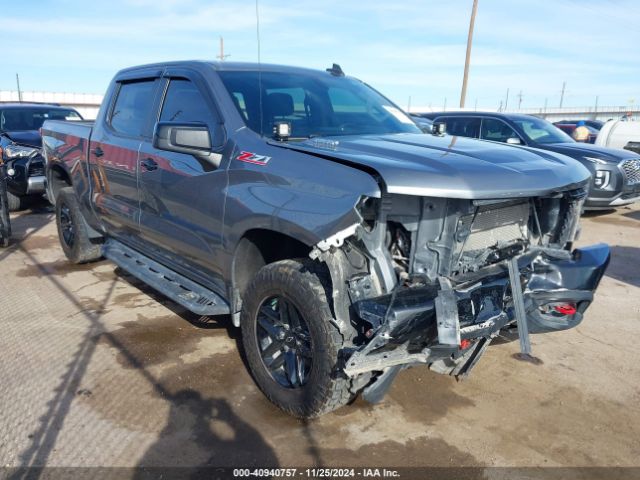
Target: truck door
(182,195)
(113,155)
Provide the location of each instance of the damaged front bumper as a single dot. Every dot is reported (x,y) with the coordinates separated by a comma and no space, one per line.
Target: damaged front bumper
(448,326)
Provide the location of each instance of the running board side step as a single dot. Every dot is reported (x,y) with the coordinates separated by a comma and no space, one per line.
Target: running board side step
(190,295)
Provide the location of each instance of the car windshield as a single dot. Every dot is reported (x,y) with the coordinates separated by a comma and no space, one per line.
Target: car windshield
(540,131)
(20,119)
(313,104)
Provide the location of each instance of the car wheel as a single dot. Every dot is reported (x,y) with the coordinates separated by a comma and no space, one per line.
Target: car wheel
(73,232)
(291,345)
(16,203)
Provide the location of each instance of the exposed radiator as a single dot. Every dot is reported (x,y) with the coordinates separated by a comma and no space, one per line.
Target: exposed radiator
(495,225)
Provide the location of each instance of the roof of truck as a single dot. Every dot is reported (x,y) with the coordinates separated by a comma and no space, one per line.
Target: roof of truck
(226,66)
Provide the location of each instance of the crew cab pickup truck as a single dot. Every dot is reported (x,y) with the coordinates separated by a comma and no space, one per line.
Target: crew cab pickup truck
(344,242)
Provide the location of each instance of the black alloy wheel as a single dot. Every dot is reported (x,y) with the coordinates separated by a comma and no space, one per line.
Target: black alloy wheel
(66,226)
(284,341)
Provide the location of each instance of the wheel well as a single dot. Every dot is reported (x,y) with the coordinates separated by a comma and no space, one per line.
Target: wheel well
(57,179)
(258,248)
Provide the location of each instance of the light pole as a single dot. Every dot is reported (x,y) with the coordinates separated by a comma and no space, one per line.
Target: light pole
(463,95)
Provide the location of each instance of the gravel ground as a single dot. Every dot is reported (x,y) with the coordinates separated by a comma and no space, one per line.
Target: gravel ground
(99,370)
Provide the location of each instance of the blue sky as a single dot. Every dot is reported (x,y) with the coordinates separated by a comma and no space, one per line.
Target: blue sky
(404,48)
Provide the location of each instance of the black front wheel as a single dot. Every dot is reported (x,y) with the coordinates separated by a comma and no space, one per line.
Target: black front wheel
(291,345)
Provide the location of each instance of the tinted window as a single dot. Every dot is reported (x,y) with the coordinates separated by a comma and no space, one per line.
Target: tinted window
(185,103)
(16,119)
(496,130)
(461,126)
(132,108)
(315,104)
(540,131)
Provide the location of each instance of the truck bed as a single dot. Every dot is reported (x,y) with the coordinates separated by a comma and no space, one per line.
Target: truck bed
(56,128)
(65,147)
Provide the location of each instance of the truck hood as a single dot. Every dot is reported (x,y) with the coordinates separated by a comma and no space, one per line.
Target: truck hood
(580,150)
(450,167)
(30,138)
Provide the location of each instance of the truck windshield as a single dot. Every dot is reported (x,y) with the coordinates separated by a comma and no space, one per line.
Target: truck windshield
(314,104)
(541,131)
(29,118)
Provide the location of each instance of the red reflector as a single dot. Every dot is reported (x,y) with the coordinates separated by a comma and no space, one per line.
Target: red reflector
(565,309)
(465,344)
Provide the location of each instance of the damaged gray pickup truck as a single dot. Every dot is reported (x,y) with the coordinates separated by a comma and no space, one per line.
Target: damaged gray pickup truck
(345,243)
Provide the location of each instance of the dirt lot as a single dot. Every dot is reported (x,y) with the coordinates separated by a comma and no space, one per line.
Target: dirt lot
(96,369)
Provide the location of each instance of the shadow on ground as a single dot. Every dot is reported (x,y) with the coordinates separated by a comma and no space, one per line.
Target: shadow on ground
(634,214)
(200,432)
(625,264)
(221,437)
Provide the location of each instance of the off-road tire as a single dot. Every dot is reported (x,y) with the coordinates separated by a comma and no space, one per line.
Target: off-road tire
(303,284)
(17,203)
(82,249)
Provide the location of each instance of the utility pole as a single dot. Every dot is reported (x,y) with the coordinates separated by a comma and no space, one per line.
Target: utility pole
(409,105)
(506,102)
(564,84)
(444,109)
(545,105)
(595,109)
(519,99)
(475,107)
(463,95)
(500,107)
(19,91)
(222,56)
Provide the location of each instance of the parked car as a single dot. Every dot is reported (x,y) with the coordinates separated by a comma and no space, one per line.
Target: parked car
(569,127)
(615,172)
(20,147)
(345,243)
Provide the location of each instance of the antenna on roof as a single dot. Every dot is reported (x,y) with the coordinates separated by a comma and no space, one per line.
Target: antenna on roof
(335,70)
(259,69)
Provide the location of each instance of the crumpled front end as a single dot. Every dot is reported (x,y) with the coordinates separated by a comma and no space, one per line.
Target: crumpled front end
(432,281)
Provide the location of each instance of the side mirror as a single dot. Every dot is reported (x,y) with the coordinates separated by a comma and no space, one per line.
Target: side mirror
(514,141)
(191,138)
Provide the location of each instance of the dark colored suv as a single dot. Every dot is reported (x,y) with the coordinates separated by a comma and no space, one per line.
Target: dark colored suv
(21,147)
(615,173)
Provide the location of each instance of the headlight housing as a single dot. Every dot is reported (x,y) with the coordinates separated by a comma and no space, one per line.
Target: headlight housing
(11,152)
(601,179)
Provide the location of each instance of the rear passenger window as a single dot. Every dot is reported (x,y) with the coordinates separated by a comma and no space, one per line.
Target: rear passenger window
(133,106)
(463,127)
(185,103)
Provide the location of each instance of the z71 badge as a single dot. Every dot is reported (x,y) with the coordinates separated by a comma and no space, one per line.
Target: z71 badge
(253,158)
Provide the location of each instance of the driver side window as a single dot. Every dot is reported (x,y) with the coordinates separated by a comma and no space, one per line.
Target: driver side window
(184,103)
(496,130)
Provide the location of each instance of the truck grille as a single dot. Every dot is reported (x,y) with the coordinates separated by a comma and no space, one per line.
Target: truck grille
(631,169)
(36,169)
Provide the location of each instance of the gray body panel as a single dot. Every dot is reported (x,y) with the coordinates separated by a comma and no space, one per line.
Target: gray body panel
(455,167)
